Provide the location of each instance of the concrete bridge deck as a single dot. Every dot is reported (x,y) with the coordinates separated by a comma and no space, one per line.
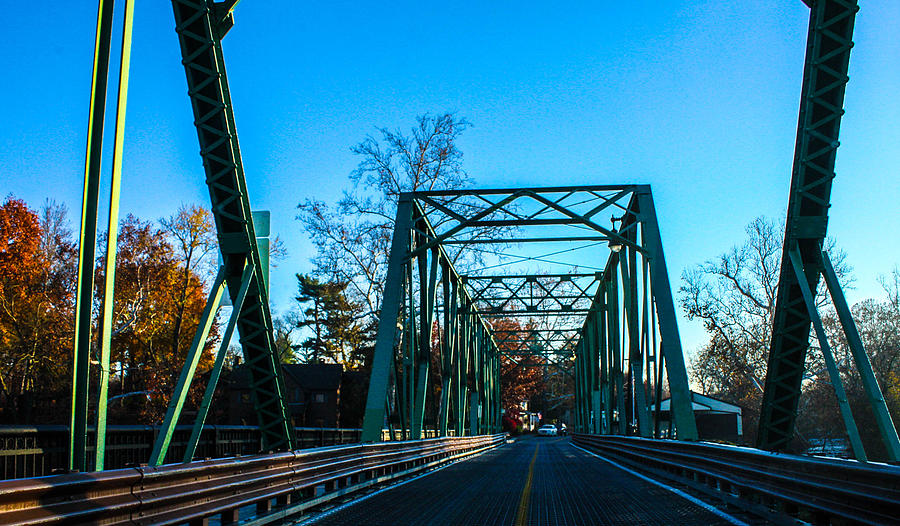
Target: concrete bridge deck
(534,481)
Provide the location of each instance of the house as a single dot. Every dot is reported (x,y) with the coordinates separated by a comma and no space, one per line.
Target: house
(716,419)
(312,392)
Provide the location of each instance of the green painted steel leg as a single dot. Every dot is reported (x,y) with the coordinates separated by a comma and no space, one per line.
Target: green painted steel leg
(161,445)
(463,370)
(635,356)
(473,413)
(846,413)
(410,350)
(602,354)
(203,410)
(616,348)
(681,403)
(106,318)
(446,375)
(200,27)
(81,368)
(373,421)
(426,301)
(867,375)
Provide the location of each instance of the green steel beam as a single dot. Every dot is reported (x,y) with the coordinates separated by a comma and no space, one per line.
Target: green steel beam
(106,316)
(200,26)
(602,355)
(469,400)
(446,353)
(830,364)
(635,354)
(616,346)
(876,399)
(670,340)
(173,411)
(87,244)
(508,191)
(391,303)
(517,240)
(216,371)
(427,274)
(533,277)
(821,106)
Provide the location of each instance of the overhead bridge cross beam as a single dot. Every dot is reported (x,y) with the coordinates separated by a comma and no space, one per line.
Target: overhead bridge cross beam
(611,328)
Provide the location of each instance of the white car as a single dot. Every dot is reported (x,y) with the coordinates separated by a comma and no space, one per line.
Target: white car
(547,430)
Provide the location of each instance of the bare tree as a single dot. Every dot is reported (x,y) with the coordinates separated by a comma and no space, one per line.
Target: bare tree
(734,296)
(192,234)
(353,239)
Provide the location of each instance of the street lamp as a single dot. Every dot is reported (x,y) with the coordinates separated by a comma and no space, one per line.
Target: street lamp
(614,244)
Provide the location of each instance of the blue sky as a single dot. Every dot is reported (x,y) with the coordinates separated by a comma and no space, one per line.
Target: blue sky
(697,98)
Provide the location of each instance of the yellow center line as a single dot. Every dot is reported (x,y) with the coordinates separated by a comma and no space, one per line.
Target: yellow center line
(522,515)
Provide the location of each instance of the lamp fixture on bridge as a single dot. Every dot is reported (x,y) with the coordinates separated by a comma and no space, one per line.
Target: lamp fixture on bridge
(614,244)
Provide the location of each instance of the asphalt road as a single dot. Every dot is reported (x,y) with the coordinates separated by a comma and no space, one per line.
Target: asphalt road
(535,481)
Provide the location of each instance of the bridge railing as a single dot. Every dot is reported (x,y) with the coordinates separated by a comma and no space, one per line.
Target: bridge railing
(266,487)
(776,486)
(35,451)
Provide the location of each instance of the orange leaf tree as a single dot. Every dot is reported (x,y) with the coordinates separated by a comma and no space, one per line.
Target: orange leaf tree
(36,303)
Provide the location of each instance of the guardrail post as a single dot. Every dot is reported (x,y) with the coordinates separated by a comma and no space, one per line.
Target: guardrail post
(229,516)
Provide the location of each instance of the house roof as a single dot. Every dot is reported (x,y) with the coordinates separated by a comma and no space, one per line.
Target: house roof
(703,403)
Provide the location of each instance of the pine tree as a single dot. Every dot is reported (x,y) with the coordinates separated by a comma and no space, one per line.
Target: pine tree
(337,336)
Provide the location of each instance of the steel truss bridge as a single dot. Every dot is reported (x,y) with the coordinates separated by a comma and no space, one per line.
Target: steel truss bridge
(609,322)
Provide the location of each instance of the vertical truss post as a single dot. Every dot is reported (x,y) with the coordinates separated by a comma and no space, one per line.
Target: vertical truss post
(615,346)
(173,412)
(374,417)
(825,78)
(833,373)
(476,377)
(411,349)
(580,401)
(593,356)
(635,354)
(200,26)
(222,351)
(473,413)
(427,289)
(455,351)
(106,317)
(88,240)
(463,368)
(468,369)
(603,411)
(867,375)
(648,351)
(446,345)
(670,341)
(590,412)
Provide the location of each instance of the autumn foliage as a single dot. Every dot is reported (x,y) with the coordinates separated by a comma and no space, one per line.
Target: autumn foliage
(162,276)
(36,303)
(158,302)
(520,379)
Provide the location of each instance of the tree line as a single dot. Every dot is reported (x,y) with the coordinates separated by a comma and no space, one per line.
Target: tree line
(733,295)
(162,273)
(164,268)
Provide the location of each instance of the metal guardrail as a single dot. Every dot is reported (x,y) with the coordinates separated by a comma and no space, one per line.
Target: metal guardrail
(34,451)
(262,488)
(781,488)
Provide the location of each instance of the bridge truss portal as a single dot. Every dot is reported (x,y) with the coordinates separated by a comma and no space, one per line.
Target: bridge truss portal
(612,327)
